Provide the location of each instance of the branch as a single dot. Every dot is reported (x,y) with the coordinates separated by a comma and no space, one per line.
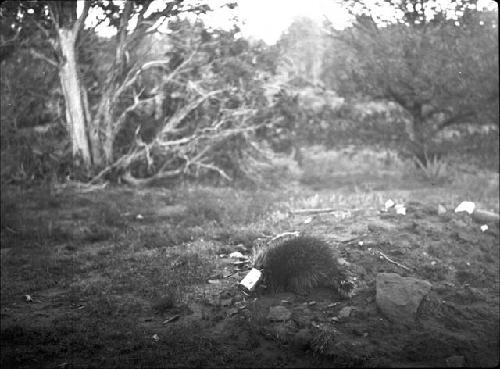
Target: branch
(384,256)
(214,168)
(132,77)
(175,120)
(122,33)
(123,115)
(78,26)
(455,119)
(13,39)
(55,19)
(128,178)
(145,6)
(313,211)
(39,55)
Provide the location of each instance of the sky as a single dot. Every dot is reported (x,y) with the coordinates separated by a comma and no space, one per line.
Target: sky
(268,19)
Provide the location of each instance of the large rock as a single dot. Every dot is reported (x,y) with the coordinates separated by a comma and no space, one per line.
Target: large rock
(398,298)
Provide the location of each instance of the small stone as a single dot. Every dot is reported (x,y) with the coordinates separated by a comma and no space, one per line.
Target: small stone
(279,313)
(455,361)
(400,209)
(389,204)
(465,206)
(237,255)
(345,312)
(441,209)
(343,261)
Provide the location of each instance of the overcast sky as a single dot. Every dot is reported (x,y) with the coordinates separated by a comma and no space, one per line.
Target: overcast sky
(267,19)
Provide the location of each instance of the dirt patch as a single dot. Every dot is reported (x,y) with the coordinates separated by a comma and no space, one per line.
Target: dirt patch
(148,292)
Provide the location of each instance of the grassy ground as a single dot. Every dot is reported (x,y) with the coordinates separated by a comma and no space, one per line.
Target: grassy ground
(107,269)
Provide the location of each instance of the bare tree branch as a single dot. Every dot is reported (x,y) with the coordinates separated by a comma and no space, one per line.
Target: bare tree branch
(122,34)
(39,55)
(134,74)
(78,26)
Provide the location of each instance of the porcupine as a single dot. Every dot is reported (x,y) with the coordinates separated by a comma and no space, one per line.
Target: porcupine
(300,264)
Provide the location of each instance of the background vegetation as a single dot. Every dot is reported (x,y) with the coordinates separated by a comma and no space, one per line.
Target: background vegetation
(193,102)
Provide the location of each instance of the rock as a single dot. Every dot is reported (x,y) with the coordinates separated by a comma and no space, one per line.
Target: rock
(345,312)
(398,298)
(400,209)
(237,255)
(389,204)
(465,206)
(279,313)
(441,210)
(378,226)
(302,339)
(455,361)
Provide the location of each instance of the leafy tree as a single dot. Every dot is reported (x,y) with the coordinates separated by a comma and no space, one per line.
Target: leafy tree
(439,65)
(302,46)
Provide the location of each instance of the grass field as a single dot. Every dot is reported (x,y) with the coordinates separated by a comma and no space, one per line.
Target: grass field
(107,269)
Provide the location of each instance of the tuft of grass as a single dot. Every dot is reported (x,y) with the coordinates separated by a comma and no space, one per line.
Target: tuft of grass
(436,171)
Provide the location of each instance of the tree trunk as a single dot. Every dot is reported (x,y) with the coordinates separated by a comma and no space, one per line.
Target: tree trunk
(75,113)
(93,133)
(418,140)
